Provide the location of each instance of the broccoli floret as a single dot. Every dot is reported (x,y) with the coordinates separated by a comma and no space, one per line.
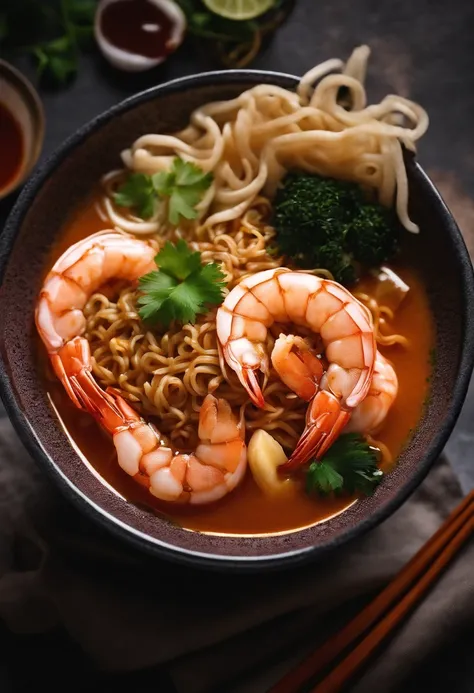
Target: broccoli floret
(327,223)
(318,208)
(373,235)
(340,264)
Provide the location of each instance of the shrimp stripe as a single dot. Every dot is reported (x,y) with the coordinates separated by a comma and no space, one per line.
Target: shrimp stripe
(303,299)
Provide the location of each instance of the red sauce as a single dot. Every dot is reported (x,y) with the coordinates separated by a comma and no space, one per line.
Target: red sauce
(11,146)
(137,26)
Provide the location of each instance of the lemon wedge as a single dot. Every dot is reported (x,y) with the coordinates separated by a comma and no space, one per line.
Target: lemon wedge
(239,10)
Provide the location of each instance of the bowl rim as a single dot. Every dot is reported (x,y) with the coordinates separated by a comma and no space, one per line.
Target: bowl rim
(116,527)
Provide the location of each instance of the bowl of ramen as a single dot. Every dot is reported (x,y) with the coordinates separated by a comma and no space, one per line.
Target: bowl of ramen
(235,324)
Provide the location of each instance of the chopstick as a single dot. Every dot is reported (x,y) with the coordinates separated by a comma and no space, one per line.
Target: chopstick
(376,620)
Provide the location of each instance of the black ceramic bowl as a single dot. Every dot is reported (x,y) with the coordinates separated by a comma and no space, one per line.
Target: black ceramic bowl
(67,177)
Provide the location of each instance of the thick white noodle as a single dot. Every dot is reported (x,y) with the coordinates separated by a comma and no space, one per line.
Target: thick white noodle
(251,141)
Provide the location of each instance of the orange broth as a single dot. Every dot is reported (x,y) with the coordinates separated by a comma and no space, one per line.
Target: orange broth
(247,510)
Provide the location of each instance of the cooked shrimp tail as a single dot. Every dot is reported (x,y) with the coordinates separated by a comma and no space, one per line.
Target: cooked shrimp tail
(327,309)
(217,465)
(297,366)
(73,361)
(249,380)
(69,362)
(301,370)
(245,360)
(325,421)
(214,469)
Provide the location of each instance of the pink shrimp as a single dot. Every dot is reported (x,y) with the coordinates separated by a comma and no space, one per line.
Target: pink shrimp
(303,372)
(326,308)
(217,465)
(370,414)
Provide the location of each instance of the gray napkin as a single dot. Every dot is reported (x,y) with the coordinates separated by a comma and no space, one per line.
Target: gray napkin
(231,633)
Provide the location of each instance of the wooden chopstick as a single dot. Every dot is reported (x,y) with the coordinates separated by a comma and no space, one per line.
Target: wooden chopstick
(342,674)
(437,549)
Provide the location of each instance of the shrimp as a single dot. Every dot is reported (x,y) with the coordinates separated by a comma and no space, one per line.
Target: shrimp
(303,371)
(219,462)
(370,414)
(297,365)
(76,275)
(326,308)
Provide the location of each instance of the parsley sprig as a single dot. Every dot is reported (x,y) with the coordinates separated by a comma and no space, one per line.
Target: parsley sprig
(52,32)
(138,193)
(350,465)
(181,189)
(181,287)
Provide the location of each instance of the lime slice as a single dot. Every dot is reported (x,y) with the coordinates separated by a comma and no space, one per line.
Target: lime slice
(239,10)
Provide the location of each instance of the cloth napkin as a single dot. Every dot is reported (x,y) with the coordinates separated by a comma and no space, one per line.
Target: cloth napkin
(215,632)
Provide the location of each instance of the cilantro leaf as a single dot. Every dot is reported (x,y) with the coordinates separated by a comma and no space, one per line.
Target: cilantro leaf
(185,301)
(364,479)
(209,282)
(188,174)
(162,183)
(181,288)
(350,465)
(138,193)
(323,478)
(178,260)
(182,203)
(156,287)
(183,187)
(57,57)
(53,36)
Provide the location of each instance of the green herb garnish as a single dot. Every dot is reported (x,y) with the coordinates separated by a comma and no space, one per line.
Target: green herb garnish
(203,23)
(138,192)
(234,43)
(329,224)
(180,288)
(350,465)
(182,188)
(52,32)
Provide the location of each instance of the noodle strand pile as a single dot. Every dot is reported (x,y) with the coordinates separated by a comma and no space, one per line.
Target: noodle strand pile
(169,375)
(248,143)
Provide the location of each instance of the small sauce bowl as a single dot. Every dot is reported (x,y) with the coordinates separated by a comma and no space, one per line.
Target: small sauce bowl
(22,126)
(137,35)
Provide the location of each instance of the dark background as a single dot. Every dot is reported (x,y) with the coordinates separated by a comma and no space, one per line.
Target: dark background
(421,49)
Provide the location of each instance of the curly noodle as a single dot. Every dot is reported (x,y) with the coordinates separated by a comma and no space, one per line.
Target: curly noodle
(168,375)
